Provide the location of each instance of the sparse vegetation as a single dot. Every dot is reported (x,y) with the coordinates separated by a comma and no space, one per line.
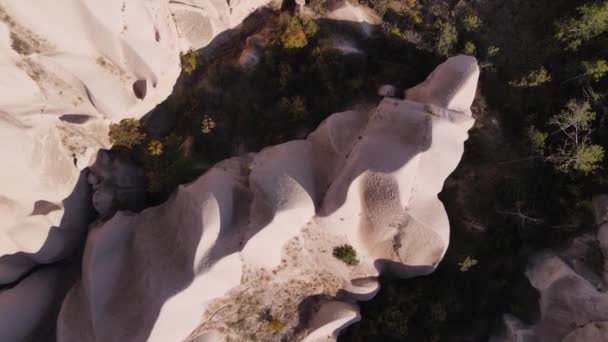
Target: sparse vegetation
(347,254)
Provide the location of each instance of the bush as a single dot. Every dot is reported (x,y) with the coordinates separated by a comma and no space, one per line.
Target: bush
(127,133)
(347,254)
(189,61)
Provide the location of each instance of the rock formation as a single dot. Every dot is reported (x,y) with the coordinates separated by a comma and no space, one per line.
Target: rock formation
(245,251)
(572,286)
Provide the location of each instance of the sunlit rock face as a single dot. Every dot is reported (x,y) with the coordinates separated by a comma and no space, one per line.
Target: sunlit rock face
(245,252)
(69,67)
(572,286)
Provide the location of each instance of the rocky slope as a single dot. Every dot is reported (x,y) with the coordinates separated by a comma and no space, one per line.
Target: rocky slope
(245,251)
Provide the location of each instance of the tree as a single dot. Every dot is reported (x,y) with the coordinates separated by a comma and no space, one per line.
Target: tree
(155,148)
(469,48)
(207,125)
(166,173)
(127,133)
(292,34)
(295,107)
(533,79)
(588,158)
(189,61)
(310,27)
(592,20)
(575,152)
(471,21)
(446,37)
(595,70)
(537,139)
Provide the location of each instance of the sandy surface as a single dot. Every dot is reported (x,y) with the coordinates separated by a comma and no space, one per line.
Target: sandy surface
(245,251)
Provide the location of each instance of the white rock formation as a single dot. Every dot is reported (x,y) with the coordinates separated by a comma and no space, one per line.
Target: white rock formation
(245,251)
(573,298)
(70,67)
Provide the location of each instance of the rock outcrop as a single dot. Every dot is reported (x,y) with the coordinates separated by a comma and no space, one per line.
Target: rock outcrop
(572,286)
(245,251)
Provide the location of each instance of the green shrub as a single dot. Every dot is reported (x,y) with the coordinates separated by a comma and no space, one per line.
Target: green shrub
(347,254)
(127,133)
(189,61)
